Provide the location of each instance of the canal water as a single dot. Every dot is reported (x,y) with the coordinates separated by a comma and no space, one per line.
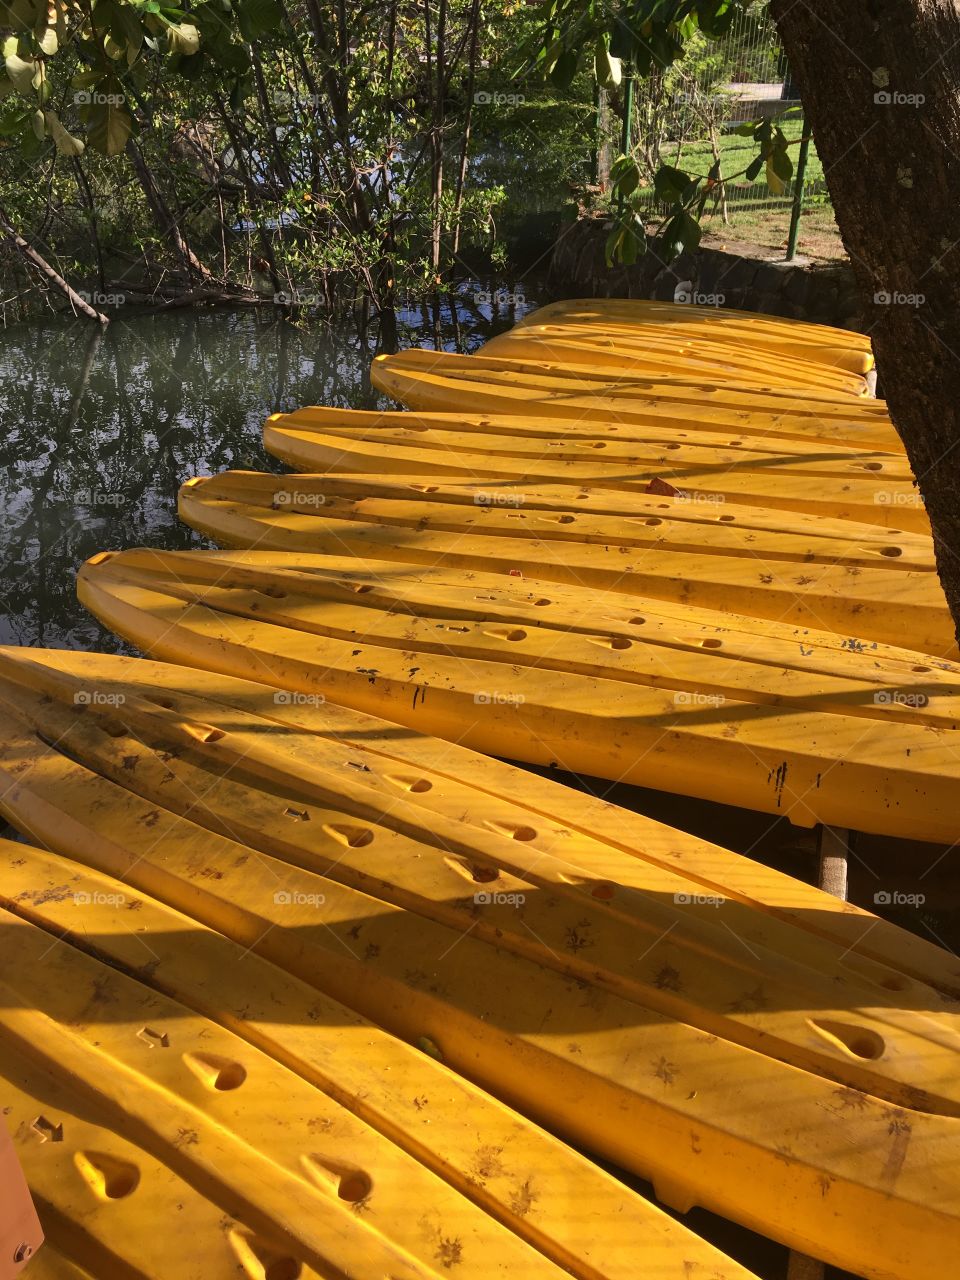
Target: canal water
(99,429)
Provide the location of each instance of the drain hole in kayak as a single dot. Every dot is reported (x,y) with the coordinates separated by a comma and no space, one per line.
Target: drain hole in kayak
(653,520)
(351,1183)
(726,519)
(512,830)
(353,837)
(410,784)
(424,488)
(919,668)
(860,1042)
(620,642)
(108,1177)
(603,890)
(711,644)
(538,603)
(873,466)
(298,815)
(507,635)
(261,1259)
(205,732)
(892,552)
(477,872)
(894,982)
(220,1074)
(159,702)
(637,622)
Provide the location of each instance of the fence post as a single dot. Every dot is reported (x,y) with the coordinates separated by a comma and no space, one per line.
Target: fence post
(798,181)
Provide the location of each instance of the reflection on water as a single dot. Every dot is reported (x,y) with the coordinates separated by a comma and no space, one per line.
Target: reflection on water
(100,429)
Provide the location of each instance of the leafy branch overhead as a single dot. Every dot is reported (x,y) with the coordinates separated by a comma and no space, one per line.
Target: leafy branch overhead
(615,41)
(93,62)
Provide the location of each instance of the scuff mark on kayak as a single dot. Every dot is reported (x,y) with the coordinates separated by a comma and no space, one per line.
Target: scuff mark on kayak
(779,779)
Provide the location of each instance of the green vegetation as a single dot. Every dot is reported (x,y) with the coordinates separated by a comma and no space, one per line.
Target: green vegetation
(306,151)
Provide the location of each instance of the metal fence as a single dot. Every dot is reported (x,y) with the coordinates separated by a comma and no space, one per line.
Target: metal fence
(688,117)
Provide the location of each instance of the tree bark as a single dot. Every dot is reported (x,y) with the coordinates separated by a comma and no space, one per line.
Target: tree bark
(880,84)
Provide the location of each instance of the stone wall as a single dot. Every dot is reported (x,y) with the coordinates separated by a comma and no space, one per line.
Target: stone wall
(824,293)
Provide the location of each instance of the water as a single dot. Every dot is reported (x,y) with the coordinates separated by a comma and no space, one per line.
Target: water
(101,428)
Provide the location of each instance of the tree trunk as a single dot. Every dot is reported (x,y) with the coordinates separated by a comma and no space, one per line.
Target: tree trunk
(880,84)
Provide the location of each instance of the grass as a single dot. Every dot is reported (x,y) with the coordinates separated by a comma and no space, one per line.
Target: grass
(756,216)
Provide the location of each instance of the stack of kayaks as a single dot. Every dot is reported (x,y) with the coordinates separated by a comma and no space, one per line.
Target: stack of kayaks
(234,874)
(287,972)
(836,481)
(820,348)
(855,579)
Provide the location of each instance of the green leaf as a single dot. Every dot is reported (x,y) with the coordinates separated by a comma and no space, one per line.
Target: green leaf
(624,175)
(781,164)
(565,68)
(753,168)
(681,232)
(110,127)
(63,140)
(609,70)
(23,72)
(183,38)
(671,184)
(257,17)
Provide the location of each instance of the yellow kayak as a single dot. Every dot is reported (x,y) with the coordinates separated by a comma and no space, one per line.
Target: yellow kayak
(836,348)
(786,720)
(830,574)
(361,1150)
(432,380)
(612,990)
(660,355)
(706,467)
